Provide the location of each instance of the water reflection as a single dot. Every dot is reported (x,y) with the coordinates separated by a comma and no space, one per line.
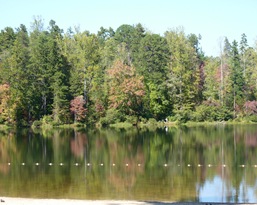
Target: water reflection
(215,164)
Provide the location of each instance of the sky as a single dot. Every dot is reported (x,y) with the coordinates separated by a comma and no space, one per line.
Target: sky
(212,19)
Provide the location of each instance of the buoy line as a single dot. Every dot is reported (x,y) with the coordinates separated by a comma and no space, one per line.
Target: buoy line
(127,164)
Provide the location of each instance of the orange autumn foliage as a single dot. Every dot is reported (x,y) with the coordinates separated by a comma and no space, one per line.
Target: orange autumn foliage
(126,87)
(78,109)
(4,97)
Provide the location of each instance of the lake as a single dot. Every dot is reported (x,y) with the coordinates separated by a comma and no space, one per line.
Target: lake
(200,164)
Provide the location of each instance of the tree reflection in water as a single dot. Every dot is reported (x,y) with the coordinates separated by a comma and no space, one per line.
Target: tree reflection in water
(215,163)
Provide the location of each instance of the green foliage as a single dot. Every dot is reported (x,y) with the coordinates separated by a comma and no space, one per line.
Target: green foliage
(37,123)
(122,125)
(112,116)
(184,73)
(210,113)
(47,120)
(127,75)
(152,121)
(7,38)
(183,115)
(152,63)
(252,118)
(132,119)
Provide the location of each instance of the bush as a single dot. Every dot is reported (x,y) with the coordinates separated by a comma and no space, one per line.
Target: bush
(131,120)
(152,121)
(252,118)
(142,120)
(171,118)
(183,115)
(47,119)
(223,114)
(204,113)
(210,113)
(22,123)
(104,122)
(112,116)
(37,123)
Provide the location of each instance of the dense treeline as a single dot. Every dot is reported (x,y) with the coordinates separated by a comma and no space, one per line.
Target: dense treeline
(48,76)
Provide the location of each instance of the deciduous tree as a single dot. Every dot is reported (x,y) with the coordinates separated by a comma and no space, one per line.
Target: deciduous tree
(78,109)
(126,89)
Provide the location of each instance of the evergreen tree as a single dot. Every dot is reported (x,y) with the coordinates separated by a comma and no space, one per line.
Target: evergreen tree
(243,48)
(59,79)
(19,78)
(152,63)
(7,38)
(237,77)
(39,66)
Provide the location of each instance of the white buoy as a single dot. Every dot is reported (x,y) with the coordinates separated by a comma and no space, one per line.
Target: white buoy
(50,164)
(126,165)
(22,163)
(189,165)
(255,165)
(102,164)
(178,165)
(88,164)
(37,164)
(139,165)
(209,165)
(61,164)
(113,165)
(199,165)
(242,165)
(76,164)
(9,163)
(224,165)
(165,165)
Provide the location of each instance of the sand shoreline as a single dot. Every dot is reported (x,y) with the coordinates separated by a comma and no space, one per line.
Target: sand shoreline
(30,201)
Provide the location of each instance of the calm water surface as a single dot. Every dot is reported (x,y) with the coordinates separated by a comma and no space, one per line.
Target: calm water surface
(214,164)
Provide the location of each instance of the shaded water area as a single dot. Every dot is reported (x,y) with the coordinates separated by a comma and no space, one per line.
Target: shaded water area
(200,164)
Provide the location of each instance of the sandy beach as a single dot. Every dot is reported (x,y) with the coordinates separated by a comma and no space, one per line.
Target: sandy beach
(28,201)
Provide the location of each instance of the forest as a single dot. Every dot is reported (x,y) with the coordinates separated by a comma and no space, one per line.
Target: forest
(48,76)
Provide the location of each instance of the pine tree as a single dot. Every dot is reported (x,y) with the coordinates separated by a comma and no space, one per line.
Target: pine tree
(237,77)
(152,63)
(59,78)
(19,77)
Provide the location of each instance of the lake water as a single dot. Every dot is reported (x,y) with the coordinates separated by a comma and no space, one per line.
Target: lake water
(206,164)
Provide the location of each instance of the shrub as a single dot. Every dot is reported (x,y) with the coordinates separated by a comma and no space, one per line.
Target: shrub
(112,116)
(142,120)
(183,115)
(47,119)
(253,118)
(152,121)
(131,120)
(171,118)
(37,123)
(223,114)
(210,113)
(204,113)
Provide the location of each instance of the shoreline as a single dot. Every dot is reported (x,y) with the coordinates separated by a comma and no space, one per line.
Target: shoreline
(33,201)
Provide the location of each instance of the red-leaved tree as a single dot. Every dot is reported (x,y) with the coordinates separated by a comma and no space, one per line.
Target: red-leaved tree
(126,88)
(250,107)
(77,107)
